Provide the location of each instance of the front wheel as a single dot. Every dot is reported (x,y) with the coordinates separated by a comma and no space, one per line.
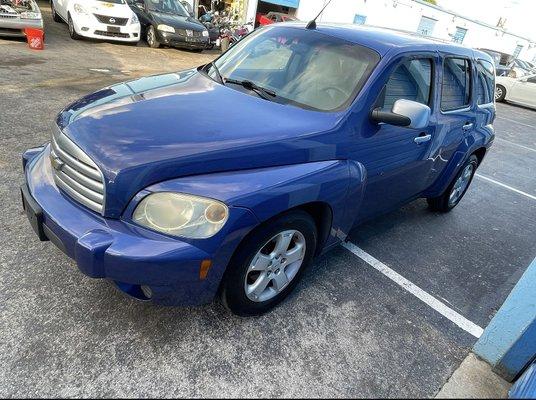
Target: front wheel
(269,264)
(55,15)
(456,190)
(152,39)
(500,93)
(72,30)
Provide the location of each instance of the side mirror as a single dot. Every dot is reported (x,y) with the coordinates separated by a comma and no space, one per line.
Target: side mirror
(406,113)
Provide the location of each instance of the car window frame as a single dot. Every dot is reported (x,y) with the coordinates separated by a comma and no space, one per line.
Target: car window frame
(477,61)
(410,57)
(467,106)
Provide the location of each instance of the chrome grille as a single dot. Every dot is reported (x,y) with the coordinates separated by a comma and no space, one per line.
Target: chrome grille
(76,174)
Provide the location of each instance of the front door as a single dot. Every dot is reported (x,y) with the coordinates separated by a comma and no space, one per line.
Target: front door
(396,158)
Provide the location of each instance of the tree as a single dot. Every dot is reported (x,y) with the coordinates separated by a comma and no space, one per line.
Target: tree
(434,2)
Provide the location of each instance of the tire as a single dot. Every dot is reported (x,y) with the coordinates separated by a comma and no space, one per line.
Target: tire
(500,93)
(152,39)
(55,15)
(72,31)
(448,200)
(256,261)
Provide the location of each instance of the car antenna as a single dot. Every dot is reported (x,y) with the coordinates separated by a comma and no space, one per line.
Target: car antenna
(312,23)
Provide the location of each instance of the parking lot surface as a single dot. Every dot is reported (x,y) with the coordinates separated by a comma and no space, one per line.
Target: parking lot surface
(348,330)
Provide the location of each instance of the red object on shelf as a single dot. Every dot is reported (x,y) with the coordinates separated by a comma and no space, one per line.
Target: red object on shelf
(35,38)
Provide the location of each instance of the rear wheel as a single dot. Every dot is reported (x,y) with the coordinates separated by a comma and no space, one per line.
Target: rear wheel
(55,15)
(456,190)
(72,30)
(500,93)
(269,264)
(152,39)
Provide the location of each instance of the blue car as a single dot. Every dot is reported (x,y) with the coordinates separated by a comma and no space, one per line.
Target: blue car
(228,179)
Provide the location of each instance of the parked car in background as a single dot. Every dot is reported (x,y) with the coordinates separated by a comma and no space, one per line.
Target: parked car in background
(501,61)
(98,19)
(519,68)
(16,16)
(177,209)
(167,22)
(521,91)
(272,17)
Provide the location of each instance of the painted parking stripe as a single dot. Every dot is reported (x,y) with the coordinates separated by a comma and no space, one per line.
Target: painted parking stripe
(517,122)
(425,297)
(515,144)
(530,196)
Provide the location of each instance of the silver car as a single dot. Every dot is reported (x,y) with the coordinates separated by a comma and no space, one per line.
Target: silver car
(16,16)
(516,90)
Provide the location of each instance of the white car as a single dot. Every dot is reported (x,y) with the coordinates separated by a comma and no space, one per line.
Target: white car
(98,19)
(517,90)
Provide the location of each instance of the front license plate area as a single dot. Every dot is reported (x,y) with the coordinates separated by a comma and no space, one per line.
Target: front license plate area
(34,213)
(114,29)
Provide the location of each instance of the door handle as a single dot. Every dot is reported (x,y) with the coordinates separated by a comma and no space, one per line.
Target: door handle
(468,126)
(422,138)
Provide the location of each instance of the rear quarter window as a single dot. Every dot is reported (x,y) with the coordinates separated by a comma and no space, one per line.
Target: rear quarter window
(485,85)
(456,85)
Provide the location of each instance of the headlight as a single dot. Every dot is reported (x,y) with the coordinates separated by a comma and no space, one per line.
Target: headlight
(30,15)
(78,8)
(134,19)
(165,28)
(181,214)
(205,33)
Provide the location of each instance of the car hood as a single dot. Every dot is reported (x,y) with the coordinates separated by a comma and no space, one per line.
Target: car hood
(177,21)
(109,9)
(167,126)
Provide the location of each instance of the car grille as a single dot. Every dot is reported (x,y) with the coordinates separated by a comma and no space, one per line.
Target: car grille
(76,174)
(183,32)
(8,16)
(112,34)
(104,19)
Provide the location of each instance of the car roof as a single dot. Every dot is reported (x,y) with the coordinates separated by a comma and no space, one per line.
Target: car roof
(384,40)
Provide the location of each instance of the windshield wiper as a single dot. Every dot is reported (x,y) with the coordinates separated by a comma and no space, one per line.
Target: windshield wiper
(216,69)
(266,94)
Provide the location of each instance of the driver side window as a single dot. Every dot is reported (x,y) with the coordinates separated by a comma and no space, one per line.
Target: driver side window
(411,80)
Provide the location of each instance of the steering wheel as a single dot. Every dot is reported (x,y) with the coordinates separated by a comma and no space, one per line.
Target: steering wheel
(336,89)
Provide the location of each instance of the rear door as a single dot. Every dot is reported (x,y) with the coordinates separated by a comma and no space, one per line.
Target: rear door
(457,117)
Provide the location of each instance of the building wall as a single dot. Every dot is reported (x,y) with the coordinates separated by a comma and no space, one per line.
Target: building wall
(406,15)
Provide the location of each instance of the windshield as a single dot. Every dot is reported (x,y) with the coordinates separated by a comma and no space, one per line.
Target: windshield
(302,67)
(167,6)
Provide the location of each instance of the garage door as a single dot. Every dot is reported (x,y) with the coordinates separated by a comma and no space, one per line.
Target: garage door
(286,3)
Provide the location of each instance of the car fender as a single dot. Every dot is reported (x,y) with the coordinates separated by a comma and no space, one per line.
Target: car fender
(468,146)
(268,192)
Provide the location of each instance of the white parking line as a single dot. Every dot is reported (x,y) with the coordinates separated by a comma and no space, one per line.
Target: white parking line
(517,122)
(506,186)
(515,144)
(427,298)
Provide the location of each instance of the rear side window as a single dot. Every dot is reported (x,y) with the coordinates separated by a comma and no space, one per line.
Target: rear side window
(410,81)
(456,86)
(485,85)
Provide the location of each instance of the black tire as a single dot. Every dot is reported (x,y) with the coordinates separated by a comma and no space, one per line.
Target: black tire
(152,39)
(442,203)
(55,15)
(72,31)
(500,93)
(233,291)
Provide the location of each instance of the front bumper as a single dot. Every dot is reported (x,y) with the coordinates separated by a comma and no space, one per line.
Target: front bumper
(124,253)
(88,26)
(16,26)
(186,42)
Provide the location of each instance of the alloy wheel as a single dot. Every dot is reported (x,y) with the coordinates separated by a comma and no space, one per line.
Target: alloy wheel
(498,93)
(461,184)
(275,265)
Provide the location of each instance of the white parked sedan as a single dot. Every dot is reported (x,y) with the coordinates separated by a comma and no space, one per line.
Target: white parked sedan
(517,90)
(98,19)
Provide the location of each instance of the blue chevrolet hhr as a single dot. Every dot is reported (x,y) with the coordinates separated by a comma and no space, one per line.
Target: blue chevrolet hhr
(226,180)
